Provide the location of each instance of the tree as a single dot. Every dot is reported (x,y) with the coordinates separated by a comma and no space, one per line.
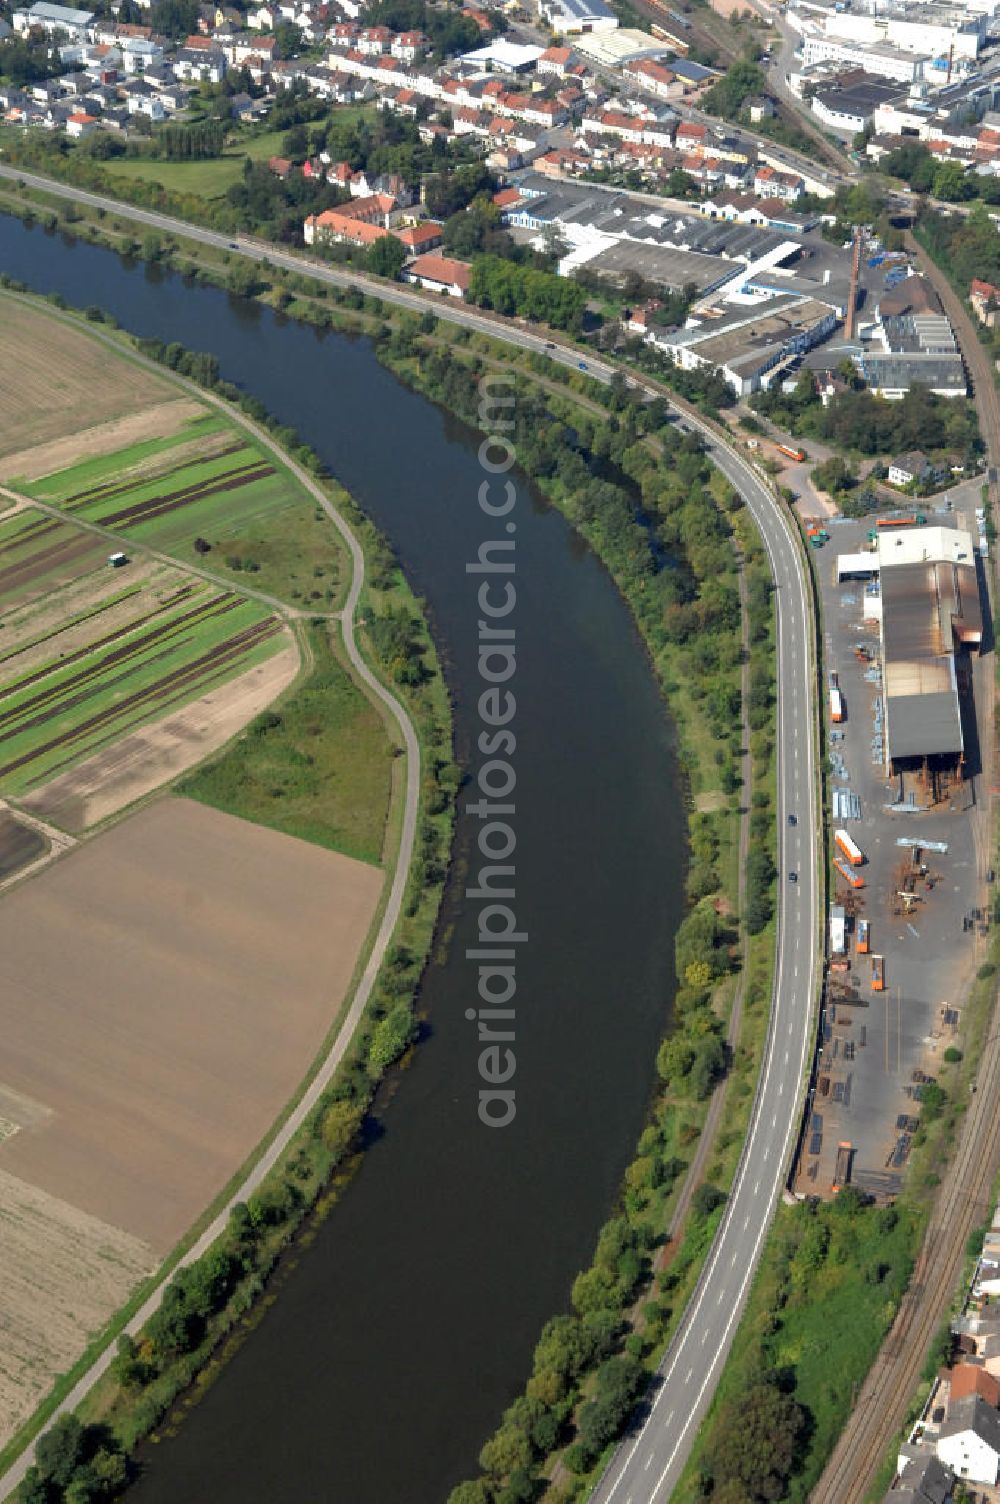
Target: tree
(60,1451)
(242,279)
(756,1440)
(341,1124)
(386,258)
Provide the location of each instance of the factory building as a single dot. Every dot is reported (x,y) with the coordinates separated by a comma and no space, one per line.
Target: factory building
(929,610)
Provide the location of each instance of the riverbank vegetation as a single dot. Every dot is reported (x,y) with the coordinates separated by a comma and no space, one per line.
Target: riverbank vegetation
(647,499)
(276,773)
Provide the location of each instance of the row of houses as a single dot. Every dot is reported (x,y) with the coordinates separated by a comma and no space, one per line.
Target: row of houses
(956,1441)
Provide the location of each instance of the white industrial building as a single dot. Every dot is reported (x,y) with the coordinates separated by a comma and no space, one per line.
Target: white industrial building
(53,20)
(578,16)
(886,62)
(930,29)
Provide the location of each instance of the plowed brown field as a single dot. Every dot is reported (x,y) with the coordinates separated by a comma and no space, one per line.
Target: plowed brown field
(55,381)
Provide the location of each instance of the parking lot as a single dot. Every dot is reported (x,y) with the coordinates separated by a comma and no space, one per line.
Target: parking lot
(920,890)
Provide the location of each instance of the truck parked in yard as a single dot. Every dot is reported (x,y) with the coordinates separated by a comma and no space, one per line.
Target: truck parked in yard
(842,1172)
(854,878)
(878,973)
(863,932)
(853,853)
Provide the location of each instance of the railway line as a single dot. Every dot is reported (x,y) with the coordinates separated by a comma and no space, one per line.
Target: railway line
(964,1197)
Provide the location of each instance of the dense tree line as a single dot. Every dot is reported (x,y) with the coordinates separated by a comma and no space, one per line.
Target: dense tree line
(449,31)
(27,60)
(913,163)
(517,290)
(728,96)
(858,420)
(191,143)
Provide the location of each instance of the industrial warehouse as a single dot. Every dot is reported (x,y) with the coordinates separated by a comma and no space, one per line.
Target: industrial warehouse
(903,624)
(927,604)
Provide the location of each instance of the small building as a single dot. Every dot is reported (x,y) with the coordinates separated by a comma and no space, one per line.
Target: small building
(969,1440)
(760,107)
(80,124)
(838,930)
(439,274)
(914,467)
(923,1479)
(972,1378)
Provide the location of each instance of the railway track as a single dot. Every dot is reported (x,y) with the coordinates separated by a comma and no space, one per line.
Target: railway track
(963,1201)
(964,1198)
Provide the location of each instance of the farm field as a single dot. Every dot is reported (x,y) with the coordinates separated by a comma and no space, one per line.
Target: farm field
(55,381)
(208,483)
(189,965)
(126,656)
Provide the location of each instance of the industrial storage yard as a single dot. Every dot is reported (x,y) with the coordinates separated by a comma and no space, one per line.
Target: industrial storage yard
(902,628)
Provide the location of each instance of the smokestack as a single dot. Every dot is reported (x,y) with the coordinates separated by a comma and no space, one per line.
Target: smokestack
(850,323)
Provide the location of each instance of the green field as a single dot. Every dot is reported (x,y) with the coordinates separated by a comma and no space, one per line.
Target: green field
(318,766)
(73,703)
(208,179)
(38,554)
(211,483)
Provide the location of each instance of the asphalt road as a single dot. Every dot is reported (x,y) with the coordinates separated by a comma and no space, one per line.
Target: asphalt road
(646,1468)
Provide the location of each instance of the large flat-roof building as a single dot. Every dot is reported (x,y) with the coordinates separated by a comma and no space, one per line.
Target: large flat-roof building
(578,16)
(930,610)
(53,19)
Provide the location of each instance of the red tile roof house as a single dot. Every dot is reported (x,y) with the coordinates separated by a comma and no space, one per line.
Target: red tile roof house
(968,1379)
(334,225)
(280,166)
(440,274)
(425,236)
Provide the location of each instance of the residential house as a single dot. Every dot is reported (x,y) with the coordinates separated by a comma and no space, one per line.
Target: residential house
(973,1378)
(654,78)
(337,226)
(440,274)
(770,183)
(200,66)
(555,60)
(80,124)
(914,467)
(922,1480)
(969,1440)
(985,301)
(760,107)
(407,46)
(421,237)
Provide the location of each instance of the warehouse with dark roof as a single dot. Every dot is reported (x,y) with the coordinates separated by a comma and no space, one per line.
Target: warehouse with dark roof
(930,610)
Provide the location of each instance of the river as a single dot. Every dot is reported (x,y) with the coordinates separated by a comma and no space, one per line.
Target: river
(408,1323)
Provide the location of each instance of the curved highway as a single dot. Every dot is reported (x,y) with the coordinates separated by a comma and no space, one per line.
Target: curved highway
(646,1468)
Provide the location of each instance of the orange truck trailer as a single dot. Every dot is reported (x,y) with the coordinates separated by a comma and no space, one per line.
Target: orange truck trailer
(836,705)
(854,878)
(793,454)
(878,974)
(853,853)
(863,932)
